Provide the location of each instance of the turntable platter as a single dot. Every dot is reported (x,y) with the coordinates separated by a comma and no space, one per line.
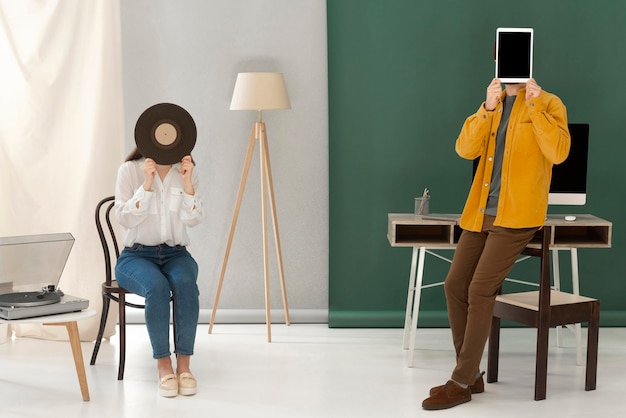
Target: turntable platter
(21,299)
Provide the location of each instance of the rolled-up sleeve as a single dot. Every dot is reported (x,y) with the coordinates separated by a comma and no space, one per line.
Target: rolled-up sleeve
(191,213)
(131,206)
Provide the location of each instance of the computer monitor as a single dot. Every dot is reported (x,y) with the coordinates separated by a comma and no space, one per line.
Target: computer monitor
(569,179)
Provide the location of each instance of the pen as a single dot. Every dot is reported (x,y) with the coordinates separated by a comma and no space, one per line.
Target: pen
(420,211)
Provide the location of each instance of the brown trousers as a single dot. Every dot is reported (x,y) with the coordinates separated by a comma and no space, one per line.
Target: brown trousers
(479,266)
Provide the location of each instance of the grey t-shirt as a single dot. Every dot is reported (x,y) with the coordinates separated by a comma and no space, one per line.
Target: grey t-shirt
(494,188)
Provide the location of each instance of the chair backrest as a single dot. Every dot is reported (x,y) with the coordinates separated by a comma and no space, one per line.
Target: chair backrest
(106,232)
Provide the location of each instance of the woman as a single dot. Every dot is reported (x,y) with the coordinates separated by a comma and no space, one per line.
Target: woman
(155,204)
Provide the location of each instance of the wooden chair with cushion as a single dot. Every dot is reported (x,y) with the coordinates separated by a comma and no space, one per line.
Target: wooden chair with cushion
(110,289)
(544,309)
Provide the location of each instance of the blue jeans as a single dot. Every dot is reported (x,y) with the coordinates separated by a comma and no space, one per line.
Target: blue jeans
(156,273)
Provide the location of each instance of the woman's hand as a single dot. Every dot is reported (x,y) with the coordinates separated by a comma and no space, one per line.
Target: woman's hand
(186,168)
(149,171)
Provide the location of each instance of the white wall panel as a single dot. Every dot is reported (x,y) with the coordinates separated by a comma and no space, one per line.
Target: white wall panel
(189,52)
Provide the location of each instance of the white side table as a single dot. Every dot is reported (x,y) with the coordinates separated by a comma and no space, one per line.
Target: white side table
(69,320)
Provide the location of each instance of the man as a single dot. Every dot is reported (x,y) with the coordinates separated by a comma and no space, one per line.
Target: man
(518,133)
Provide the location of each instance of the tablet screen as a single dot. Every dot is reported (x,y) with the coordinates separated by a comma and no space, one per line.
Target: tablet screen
(514,54)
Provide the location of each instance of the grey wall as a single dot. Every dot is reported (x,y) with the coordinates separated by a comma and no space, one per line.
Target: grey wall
(189,52)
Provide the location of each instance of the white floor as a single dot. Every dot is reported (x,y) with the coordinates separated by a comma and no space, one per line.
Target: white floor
(307,371)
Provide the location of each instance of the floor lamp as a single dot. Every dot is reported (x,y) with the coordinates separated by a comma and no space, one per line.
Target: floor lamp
(258,91)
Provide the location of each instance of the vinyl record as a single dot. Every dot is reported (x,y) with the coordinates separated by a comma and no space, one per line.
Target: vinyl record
(166,133)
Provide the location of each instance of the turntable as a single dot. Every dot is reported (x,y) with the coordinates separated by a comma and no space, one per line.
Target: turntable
(30,270)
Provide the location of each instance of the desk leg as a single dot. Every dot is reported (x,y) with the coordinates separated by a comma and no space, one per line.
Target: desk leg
(409,300)
(72,330)
(557,286)
(576,291)
(416,302)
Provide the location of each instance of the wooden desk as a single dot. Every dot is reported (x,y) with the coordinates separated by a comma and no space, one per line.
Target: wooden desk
(424,234)
(69,320)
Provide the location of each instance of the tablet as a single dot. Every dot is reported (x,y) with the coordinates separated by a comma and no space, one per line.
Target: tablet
(514,54)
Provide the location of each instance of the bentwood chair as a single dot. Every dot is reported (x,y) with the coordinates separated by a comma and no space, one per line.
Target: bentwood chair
(111,291)
(544,309)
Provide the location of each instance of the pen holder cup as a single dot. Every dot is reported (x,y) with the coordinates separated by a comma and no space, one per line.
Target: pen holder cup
(422,205)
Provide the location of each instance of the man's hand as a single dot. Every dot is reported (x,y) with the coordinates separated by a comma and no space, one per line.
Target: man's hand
(494,91)
(532,89)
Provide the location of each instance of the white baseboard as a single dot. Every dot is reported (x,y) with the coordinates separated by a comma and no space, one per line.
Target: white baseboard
(246,316)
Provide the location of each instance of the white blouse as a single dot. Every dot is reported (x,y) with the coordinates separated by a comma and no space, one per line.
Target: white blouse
(158,216)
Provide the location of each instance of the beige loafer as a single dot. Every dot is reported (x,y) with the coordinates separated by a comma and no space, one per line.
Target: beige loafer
(168,386)
(187,384)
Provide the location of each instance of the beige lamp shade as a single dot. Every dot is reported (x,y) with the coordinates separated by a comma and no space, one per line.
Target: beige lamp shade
(260,91)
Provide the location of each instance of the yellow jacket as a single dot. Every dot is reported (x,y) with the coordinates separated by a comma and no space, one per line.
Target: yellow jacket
(537,138)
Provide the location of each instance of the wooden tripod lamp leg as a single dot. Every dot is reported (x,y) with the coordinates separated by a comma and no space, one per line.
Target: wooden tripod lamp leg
(242,186)
(268,176)
(262,144)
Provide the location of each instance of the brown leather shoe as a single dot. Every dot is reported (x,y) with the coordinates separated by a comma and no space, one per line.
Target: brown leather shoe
(477,387)
(451,394)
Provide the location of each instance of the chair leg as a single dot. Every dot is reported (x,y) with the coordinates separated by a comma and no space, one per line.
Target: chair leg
(541,366)
(494,351)
(122,327)
(174,325)
(593,330)
(103,320)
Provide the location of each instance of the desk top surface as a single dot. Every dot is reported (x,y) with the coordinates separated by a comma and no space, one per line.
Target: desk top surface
(453,218)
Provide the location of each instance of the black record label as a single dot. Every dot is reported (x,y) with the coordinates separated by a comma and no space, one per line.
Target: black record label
(166,133)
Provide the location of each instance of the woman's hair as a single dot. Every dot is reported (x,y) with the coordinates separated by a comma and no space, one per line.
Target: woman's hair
(135,154)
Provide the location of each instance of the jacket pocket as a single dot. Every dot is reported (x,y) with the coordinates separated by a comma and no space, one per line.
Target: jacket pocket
(525,142)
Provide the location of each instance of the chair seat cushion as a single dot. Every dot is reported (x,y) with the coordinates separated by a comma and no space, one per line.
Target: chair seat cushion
(530,300)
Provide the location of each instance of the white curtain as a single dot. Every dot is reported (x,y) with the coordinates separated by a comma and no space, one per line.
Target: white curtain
(61,132)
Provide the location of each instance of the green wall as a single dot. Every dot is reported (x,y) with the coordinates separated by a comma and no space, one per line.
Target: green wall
(403,76)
